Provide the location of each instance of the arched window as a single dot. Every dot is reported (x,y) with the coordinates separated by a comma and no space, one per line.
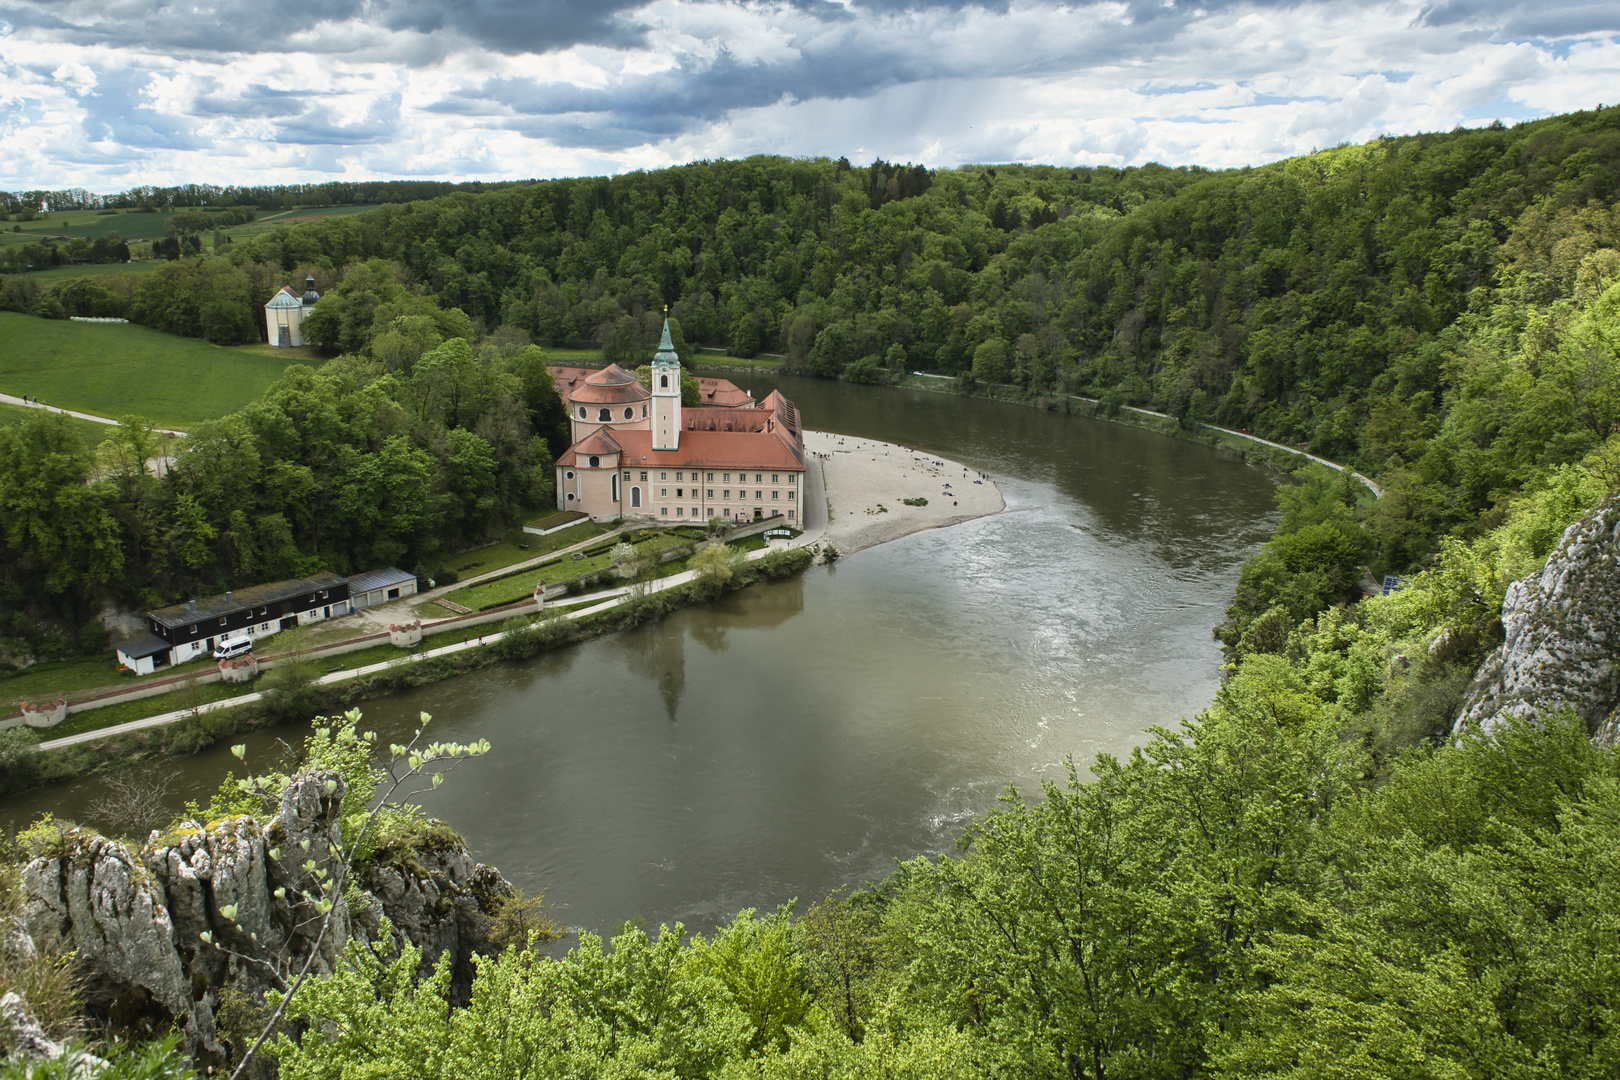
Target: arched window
(596,463)
(644,411)
(604,415)
(582,412)
(663,382)
(629,412)
(615,487)
(635,498)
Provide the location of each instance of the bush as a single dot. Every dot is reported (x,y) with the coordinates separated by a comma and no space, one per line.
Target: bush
(20,759)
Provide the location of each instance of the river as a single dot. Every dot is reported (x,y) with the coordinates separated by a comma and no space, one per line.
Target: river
(799,736)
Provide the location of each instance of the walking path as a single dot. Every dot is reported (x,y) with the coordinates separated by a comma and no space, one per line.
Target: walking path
(11,399)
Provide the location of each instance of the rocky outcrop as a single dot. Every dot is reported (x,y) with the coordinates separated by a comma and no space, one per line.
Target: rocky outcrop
(1562,647)
(164,930)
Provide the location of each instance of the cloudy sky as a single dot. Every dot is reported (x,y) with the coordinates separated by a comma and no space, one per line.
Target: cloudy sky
(105,94)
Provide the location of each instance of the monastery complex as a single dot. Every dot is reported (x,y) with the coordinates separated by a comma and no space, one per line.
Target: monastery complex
(637,454)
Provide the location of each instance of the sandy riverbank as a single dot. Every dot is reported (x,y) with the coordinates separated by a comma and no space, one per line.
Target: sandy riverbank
(866,481)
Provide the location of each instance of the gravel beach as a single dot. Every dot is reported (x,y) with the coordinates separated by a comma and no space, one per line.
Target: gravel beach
(867,480)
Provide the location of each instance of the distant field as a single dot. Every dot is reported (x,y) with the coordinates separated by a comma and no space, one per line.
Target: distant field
(66,273)
(114,370)
(574,357)
(282,218)
(87,223)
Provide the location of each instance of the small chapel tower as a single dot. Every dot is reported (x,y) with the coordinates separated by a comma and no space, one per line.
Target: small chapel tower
(666,392)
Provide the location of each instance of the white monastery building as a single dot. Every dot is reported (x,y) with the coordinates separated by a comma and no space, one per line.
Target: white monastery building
(638,454)
(284,315)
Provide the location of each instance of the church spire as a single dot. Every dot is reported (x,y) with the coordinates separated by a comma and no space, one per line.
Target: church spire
(666,347)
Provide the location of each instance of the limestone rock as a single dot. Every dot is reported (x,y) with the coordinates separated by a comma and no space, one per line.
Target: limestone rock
(151,925)
(1562,630)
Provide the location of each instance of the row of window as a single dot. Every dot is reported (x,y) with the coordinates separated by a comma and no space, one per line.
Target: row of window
(605,416)
(680,511)
(680,493)
(725,478)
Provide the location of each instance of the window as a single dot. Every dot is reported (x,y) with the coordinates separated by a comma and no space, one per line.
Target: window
(793,478)
(790,515)
(710,478)
(627,474)
(758,479)
(595,462)
(678,510)
(644,411)
(643,474)
(776,494)
(759,494)
(570,496)
(604,415)
(582,412)
(726,494)
(663,493)
(569,474)
(710,495)
(774,478)
(663,475)
(664,510)
(663,382)
(695,511)
(629,412)
(726,478)
(790,494)
(222,620)
(678,476)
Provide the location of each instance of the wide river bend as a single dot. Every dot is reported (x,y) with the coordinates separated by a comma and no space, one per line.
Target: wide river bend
(799,736)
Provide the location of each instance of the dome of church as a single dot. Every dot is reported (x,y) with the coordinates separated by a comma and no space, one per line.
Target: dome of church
(611,386)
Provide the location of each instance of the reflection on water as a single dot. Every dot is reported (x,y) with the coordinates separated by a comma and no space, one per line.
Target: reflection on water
(786,740)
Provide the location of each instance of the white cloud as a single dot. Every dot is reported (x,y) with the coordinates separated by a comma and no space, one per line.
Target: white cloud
(380,92)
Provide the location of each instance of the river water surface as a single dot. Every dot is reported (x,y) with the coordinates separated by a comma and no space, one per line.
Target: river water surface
(799,736)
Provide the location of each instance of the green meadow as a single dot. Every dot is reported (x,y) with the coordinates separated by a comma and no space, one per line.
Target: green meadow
(113,370)
(93,433)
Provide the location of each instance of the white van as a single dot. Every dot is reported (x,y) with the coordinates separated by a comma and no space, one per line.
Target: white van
(233,645)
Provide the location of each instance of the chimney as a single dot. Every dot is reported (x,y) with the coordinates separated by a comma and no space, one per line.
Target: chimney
(227,596)
(192,604)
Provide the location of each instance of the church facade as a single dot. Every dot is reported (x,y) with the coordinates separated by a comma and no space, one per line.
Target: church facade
(638,454)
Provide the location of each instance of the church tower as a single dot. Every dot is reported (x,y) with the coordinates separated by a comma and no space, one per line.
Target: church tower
(666,391)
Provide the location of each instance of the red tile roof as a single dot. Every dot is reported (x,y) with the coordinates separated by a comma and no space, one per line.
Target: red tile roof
(773,449)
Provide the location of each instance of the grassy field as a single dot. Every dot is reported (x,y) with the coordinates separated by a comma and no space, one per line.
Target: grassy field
(94,270)
(86,223)
(114,370)
(721,360)
(93,433)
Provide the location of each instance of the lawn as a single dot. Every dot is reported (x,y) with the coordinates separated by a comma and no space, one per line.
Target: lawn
(89,224)
(518,546)
(93,433)
(714,359)
(111,369)
(57,677)
(514,587)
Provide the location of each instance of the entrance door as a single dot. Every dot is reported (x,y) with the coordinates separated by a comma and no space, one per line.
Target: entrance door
(289,622)
(284,337)
(635,498)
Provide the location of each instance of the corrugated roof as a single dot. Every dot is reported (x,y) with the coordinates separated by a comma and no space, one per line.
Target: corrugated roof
(242,599)
(385,578)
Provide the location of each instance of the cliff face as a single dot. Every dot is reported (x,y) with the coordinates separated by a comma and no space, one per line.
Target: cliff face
(142,920)
(1562,648)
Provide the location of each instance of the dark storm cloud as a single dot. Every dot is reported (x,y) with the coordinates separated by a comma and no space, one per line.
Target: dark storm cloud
(320,126)
(1515,19)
